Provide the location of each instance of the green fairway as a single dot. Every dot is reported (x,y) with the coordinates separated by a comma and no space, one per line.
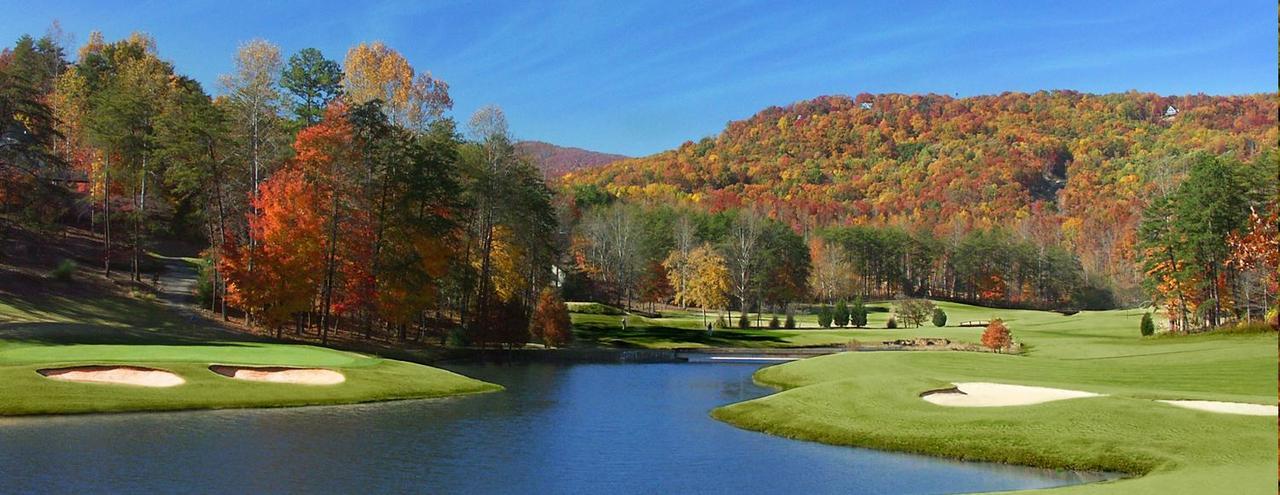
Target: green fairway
(53,331)
(685,329)
(871,399)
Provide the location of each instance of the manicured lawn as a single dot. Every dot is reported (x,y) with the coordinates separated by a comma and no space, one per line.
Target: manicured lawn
(871,399)
(53,331)
(677,329)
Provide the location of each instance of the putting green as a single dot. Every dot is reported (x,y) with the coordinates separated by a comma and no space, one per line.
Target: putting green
(872,400)
(54,332)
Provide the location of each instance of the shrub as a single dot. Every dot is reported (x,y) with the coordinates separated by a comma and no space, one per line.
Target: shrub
(1147,327)
(550,321)
(744,321)
(858,315)
(997,336)
(1273,317)
(64,271)
(204,283)
(892,323)
(824,316)
(939,317)
(791,321)
(774,323)
(458,337)
(841,316)
(852,345)
(721,323)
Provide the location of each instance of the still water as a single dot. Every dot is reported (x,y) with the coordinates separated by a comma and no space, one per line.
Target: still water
(583,428)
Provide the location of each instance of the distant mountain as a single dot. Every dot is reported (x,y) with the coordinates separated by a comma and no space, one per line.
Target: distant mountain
(1070,166)
(556,161)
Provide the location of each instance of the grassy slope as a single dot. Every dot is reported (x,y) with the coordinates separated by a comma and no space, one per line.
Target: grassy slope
(871,400)
(51,330)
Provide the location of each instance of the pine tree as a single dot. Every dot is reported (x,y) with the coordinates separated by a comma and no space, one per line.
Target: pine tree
(841,316)
(1148,326)
(858,314)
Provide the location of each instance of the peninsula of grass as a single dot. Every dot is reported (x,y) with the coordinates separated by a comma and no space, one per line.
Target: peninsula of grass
(872,399)
(53,331)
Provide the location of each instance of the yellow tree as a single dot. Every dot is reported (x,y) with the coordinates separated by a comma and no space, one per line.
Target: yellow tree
(376,71)
(709,286)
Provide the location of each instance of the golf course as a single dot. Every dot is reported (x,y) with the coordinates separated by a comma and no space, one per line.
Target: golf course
(54,331)
(873,399)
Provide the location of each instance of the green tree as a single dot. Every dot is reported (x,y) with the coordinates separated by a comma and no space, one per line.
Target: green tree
(858,315)
(824,316)
(841,316)
(1147,326)
(939,317)
(313,81)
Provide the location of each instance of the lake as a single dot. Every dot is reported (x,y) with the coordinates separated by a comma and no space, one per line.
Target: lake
(559,428)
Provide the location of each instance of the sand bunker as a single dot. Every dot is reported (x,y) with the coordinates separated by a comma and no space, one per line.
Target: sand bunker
(1226,407)
(980,394)
(277,374)
(122,375)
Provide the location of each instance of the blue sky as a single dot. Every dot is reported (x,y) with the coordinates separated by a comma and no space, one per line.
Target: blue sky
(637,77)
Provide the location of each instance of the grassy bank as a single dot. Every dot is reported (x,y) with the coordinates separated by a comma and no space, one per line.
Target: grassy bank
(53,330)
(872,400)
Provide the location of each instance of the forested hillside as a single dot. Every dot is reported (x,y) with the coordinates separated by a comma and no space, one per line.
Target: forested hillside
(1057,168)
(556,161)
(331,196)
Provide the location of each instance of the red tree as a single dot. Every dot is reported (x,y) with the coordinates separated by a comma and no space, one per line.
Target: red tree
(997,337)
(551,319)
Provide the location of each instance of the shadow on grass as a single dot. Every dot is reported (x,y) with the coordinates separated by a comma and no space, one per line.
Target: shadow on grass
(638,336)
(53,333)
(103,319)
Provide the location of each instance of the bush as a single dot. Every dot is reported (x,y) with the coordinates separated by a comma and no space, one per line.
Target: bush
(204,283)
(550,322)
(1273,317)
(721,323)
(1147,327)
(64,271)
(595,309)
(841,317)
(458,337)
(997,337)
(939,317)
(824,316)
(744,321)
(774,323)
(858,315)
(892,323)
(791,321)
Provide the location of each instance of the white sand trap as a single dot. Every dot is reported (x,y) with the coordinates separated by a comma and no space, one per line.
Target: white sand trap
(277,374)
(981,394)
(121,375)
(1226,407)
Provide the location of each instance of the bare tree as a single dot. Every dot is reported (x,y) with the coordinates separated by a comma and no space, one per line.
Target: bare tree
(744,254)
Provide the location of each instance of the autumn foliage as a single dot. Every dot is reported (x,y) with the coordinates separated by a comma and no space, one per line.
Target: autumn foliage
(997,337)
(550,322)
(1061,166)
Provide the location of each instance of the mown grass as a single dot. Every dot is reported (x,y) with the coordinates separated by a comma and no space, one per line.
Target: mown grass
(52,331)
(872,400)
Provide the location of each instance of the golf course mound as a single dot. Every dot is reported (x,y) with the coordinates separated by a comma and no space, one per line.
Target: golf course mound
(120,375)
(280,374)
(1226,407)
(983,394)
